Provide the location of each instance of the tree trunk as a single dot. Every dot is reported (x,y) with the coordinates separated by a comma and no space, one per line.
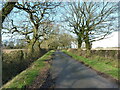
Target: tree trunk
(7,8)
(79,42)
(39,46)
(31,48)
(88,44)
(3,14)
(0,52)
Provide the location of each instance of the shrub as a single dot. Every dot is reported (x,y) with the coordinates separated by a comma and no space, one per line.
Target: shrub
(28,77)
(109,54)
(17,61)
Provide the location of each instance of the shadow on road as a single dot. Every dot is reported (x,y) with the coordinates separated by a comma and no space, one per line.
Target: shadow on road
(72,74)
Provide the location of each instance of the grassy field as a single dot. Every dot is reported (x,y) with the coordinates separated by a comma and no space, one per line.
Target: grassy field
(26,77)
(97,64)
(10,50)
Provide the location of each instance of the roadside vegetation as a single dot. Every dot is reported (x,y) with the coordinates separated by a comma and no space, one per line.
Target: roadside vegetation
(102,64)
(16,61)
(27,77)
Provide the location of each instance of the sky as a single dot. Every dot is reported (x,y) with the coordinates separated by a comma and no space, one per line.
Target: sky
(112,41)
(109,42)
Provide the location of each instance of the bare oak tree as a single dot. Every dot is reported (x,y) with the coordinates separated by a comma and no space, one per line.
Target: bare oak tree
(91,21)
(7,8)
(38,14)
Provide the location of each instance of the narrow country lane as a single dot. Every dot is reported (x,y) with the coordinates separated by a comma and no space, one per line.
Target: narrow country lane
(72,74)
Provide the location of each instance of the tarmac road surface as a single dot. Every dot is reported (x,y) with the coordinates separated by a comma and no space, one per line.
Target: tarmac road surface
(70,73)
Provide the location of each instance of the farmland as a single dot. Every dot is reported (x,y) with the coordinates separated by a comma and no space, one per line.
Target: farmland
(10,50)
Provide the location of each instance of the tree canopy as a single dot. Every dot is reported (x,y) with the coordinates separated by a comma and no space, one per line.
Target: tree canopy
(91,21)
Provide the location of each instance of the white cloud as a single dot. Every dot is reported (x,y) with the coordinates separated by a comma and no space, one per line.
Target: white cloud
(109,42)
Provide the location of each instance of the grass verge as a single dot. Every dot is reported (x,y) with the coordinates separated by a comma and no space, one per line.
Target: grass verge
(97,65)
(26,77)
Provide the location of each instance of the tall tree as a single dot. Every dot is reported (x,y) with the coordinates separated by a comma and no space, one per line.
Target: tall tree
(38,14)
(91,21)
(7,9)
(3,14)
(59,41)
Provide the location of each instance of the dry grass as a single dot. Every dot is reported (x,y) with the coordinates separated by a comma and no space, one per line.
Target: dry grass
(110,48)
(10,50)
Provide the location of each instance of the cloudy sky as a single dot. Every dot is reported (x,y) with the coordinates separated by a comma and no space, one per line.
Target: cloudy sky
(112,41)
(109,42)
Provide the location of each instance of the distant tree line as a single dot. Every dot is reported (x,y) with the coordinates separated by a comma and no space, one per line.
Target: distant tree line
(89,21)
(19,44)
